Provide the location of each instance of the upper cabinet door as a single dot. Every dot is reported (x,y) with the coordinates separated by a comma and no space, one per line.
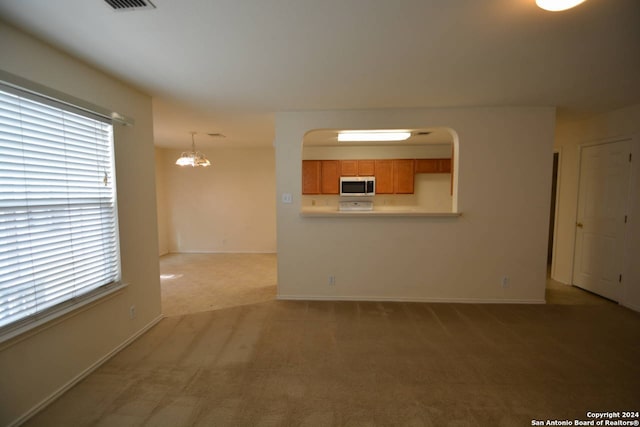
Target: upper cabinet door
(384,176)
(444,165)
(433,165)
(403,176)
(348,167)
(357,168)
(426,165)
(330,176)
(366,167)
(311,177)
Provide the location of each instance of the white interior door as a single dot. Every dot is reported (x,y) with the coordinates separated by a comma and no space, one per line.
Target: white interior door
(600,227)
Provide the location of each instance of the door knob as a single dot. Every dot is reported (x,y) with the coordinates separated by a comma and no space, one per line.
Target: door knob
(579,225)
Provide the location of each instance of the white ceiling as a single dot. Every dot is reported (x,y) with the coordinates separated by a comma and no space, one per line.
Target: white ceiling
(227,65)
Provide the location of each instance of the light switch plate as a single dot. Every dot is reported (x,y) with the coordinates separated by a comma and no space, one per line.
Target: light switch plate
(287,198)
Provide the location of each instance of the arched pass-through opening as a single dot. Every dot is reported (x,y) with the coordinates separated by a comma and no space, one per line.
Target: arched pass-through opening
(417,174)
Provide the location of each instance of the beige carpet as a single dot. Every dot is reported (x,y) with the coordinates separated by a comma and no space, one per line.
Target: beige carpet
(559,293)
(279,363)
(192,283)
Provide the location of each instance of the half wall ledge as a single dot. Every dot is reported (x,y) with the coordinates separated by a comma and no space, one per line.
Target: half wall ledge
(334,213)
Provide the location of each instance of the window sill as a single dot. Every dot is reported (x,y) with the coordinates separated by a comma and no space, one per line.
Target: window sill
(24,329)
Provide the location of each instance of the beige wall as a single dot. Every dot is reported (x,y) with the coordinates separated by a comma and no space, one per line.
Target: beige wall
(228,207)
(618,124)
(35,366)
(439,151)
(504,181)
(161,197)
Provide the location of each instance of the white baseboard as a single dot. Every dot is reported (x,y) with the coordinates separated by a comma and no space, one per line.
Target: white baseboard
(82,375)
(410,299)
(631,306)
(221,252)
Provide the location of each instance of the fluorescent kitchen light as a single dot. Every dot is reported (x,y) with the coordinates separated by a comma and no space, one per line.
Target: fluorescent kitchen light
(373,135)
(557,5)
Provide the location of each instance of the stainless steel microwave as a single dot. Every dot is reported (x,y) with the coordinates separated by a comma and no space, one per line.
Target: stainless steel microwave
(357,185)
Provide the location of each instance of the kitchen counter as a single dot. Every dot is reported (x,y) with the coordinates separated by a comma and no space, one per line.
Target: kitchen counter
(385,211)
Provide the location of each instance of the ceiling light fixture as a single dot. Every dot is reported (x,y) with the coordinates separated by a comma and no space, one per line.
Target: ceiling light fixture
(193,158)
(373,135)
(557,5)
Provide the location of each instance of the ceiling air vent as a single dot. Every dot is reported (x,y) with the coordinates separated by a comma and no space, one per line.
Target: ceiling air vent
(130,4)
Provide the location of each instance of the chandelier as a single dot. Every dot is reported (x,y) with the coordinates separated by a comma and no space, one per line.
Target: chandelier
(193,158)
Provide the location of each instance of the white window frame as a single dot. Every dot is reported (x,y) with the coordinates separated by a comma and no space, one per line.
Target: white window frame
(34,92)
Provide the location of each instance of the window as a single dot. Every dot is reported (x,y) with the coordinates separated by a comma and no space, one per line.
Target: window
(58,215)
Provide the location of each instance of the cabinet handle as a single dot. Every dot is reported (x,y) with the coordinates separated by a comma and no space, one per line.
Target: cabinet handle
(579,225)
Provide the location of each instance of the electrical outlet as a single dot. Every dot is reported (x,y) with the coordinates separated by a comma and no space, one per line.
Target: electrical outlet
(132,312)
(332,280)
(505,281)
(287,198)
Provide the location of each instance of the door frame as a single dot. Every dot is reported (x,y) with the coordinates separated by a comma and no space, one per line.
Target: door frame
(558,184)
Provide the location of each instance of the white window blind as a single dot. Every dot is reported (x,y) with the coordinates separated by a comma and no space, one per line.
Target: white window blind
(58,215)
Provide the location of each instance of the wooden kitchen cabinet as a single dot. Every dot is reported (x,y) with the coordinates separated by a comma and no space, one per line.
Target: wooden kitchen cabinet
(394,176)
(444,165)
(433,166)
(357,168)
(330,176)
(426,165)
(366,168)
(311,176)
(320,177)
(403,176)
(384,176)
(348,167)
